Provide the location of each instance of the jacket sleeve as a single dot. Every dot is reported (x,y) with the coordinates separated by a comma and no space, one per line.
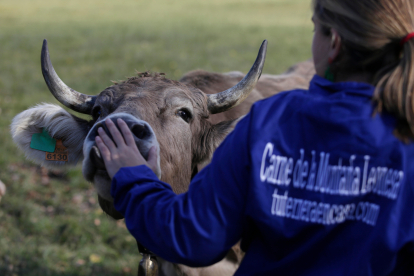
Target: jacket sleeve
(196,228)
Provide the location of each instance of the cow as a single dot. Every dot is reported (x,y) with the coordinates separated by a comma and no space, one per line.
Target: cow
(186,120)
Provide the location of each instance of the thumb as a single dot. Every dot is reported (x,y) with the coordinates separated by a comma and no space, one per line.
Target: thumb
(153,161)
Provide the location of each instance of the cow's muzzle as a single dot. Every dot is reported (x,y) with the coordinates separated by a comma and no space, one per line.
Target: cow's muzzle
(141,132)
(93,167)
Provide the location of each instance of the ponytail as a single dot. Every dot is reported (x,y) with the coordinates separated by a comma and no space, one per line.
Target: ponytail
(395,89)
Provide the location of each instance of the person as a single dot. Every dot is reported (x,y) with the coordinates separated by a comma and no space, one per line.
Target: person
(313,182)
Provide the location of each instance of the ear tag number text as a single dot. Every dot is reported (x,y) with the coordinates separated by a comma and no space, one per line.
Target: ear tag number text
(60,154)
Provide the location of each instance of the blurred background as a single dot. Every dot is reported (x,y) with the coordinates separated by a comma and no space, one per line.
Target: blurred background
(50,221)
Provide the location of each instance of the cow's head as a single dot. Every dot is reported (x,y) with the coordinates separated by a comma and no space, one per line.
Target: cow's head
(168,114)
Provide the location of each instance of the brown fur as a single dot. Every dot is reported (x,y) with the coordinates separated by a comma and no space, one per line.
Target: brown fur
(296,77)
(154,92)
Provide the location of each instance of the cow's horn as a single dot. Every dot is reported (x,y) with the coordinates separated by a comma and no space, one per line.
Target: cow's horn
(67,96)
(230,98)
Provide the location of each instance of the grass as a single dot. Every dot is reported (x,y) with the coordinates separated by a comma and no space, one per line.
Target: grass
(57,228)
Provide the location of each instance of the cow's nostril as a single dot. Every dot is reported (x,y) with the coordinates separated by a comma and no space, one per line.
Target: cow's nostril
(140,131)
(105,129)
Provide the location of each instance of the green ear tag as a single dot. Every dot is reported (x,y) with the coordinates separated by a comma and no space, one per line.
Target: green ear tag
(43,142)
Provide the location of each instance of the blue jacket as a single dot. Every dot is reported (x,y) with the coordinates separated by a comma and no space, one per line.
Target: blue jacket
(311,181)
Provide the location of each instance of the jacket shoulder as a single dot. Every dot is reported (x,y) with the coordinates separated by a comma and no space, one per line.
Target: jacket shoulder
(292,99)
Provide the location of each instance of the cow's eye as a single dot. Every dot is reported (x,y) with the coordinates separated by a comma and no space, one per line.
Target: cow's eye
(96,113)
(184,114)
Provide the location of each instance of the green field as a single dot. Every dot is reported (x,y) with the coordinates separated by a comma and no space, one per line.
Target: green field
(50,222)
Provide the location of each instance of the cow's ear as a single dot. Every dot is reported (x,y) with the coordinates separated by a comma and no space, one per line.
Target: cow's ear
(214,138)
(36,130)
(221,130)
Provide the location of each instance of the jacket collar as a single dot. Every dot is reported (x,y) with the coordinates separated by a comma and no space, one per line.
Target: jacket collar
(323,86)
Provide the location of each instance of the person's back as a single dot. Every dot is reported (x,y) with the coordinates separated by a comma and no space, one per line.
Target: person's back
(333,182)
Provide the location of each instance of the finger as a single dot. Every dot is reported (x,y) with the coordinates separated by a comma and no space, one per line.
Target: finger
(106,140)
(106,154)
(119,140)
(126,132)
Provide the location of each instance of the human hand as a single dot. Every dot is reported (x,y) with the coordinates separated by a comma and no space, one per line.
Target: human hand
(122,152)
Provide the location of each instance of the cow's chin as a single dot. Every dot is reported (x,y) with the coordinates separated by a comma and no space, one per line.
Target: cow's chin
(102,183)
(109,209)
